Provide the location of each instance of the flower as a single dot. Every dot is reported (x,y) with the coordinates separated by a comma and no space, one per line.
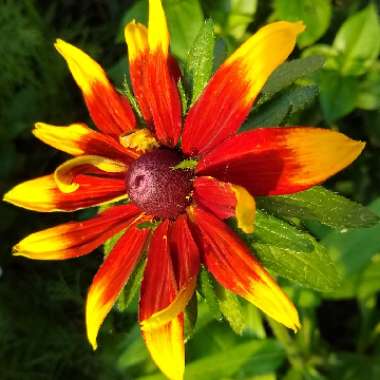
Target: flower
(148,166)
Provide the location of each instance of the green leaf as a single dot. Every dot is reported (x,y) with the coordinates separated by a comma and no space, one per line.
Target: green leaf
(231,309)
(292,253)
(338,94)
(290,71)
(207,289)
(369,90)
(321,205)
(131,288)
(274,112)
(185,19)
(110,243)
(353,250)
(200,59)
(188,163)
(358,41)
(316,14)
(191,316)
(253,358)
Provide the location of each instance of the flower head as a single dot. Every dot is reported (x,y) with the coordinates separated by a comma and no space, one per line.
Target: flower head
(120,160)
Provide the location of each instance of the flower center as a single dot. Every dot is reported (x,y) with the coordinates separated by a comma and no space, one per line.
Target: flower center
(156,187)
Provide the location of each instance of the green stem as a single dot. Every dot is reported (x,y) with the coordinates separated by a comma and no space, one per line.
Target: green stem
(291,349)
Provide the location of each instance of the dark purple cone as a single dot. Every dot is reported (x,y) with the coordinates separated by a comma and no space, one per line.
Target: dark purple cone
(155,187)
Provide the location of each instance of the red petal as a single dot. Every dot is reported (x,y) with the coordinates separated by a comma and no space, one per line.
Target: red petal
(112,277)
(227,99)
(136,36)
(110,111)
(226,200)
(43,194)
(159,286)
(272,161)
(74,239)
(163,98)
(77,139)
(230,262)
(215,196)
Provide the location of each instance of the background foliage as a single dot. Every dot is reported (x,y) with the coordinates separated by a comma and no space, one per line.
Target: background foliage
(42,334)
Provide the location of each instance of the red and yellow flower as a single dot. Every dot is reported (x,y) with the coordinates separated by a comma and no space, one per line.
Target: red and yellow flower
(121,160)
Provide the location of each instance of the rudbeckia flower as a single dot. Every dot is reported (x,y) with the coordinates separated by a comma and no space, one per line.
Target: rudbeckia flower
(123,161)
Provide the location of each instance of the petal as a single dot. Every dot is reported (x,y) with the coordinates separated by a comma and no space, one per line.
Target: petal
(159,286)
(234,267)
(77,139)
(136,37)
(226,200)
(112,277)
(165,342)
(160,81)
(43,194)
(228,98)
(185,260)
(110,111)
(272,161)
(141,140)
(74,239)
(66,173)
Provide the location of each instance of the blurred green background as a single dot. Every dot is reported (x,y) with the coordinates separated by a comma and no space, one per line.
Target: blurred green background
(42,332)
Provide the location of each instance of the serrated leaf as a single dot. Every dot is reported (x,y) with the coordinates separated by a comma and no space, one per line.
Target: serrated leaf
(290,71)
(322,205)
(191,316)
(358,41)
(131,288)
(274,112)
(200,59)
(316,15)
(110,243)
(231,309)
(292,253)
(207,289)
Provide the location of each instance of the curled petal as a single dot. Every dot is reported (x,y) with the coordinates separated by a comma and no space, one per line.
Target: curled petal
(78,139)
(110,111)
(228,98)
(274,161)
(74,239)
(164,335)
(185,260)
(112,277)
(234,267)
(160,81)
(42,194)
(136,37)
(226,200)
(165,344)
(140,141)
(66,173)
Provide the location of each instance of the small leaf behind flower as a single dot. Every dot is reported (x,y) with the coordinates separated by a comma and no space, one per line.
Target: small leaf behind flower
(200,59)
(275,111)
(292,253)
(290,71)
(322,205)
